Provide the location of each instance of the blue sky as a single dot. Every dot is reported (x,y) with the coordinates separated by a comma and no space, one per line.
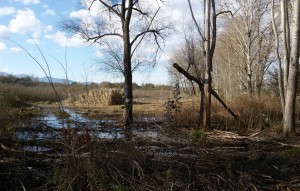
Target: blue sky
(39,19)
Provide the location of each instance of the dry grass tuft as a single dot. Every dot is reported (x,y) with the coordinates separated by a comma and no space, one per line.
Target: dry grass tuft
(100,97)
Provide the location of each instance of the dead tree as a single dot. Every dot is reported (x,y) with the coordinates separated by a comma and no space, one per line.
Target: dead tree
(209,39)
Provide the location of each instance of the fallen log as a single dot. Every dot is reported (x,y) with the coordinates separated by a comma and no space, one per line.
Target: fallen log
(213,92)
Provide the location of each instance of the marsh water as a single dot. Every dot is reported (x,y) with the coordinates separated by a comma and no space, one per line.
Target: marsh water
(50,128)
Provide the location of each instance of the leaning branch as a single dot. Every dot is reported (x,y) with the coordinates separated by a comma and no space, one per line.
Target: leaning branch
(213,92)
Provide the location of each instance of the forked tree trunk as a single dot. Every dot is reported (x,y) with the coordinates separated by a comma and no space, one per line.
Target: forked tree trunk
(291,87)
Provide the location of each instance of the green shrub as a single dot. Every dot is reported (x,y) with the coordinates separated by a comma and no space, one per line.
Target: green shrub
(197,134)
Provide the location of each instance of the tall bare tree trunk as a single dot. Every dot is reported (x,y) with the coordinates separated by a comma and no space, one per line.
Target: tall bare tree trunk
(284,11)
(208,64)
(291,87)
(280,77)
(127,116)
(201,111)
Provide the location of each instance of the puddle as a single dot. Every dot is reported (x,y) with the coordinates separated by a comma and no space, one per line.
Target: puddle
(76,120)
(166,152)
(152,133)
(36,149)
(29,135)
(98,129)
(108,135)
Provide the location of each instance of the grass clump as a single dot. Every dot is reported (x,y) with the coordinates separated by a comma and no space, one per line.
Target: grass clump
(95,176)
(197,134)
(98,97)
(61,114)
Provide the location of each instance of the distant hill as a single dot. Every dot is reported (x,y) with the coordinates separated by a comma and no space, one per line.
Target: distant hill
(55,80)
(43,79)
(4,74)
(21,76)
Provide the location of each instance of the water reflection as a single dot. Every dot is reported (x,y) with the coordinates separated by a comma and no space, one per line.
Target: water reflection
(53,127)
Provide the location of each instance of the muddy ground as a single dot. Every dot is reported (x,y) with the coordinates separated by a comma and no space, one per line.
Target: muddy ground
(88,154)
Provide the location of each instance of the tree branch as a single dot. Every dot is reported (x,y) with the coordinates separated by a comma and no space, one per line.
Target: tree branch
(143,34)
(110,8)
(213,92)
(96,38)
(195,21)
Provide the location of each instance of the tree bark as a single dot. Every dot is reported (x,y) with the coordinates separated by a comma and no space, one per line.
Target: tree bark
(289,112)
(127,116)
(208,64)
(284,11)
(279,64)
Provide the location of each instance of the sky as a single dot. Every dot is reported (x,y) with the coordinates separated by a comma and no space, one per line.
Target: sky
(23,22)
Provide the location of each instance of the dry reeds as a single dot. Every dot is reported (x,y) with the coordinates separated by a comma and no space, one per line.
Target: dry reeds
(258,113)
(44,92)
(100,97)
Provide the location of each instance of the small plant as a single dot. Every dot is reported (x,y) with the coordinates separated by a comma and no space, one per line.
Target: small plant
(197,134)
(293,151)
(119,187)
(61,114)
(173,107)
(95,176)
(169,174)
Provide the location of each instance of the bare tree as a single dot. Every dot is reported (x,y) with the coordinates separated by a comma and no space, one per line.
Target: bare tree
(189,55)
(209,38)
(249,31)
(130,21)
(290,60)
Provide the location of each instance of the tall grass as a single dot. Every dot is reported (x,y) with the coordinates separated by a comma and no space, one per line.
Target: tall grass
(154,94)
(258,113)
(97,97)
(30,94)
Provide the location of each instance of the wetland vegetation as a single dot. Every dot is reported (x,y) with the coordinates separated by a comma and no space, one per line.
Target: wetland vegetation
(85,147)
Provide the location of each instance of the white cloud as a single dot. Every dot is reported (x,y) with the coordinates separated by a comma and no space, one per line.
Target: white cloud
(15,49)
(4,69)
(24,22)
(7,11)
(49,12)
(2,46)
(61,38)
(3,31)
(48,29)
(80,14)
(32,41)
(28,2)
